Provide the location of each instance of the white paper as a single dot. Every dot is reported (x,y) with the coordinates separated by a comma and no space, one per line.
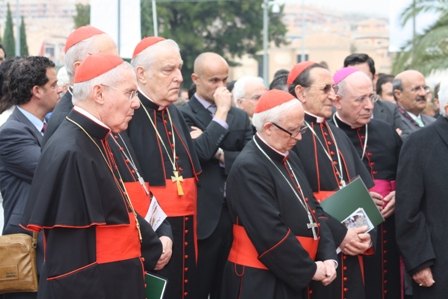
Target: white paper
(155,215)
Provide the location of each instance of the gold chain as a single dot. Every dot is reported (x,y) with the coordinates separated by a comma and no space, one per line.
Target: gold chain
(176,178)
(172,160)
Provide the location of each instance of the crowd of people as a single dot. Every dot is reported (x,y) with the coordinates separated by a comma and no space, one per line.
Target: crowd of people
(219,192)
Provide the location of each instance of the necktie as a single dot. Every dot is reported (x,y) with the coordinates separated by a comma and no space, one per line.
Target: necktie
(212,109)
(44,128)
(419,122)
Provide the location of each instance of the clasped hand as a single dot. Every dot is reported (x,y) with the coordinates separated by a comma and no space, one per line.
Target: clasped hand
(356,241)
(325,272)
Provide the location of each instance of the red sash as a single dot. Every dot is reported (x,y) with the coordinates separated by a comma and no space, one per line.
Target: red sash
(140,200)
(174,205)
(243,252)
(177,206)
(321,196)
(117,242)
(383,187)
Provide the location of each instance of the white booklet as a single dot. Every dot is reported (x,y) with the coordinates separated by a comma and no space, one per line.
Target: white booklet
(155,215)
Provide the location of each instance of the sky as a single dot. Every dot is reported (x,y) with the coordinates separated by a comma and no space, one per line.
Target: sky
(379,8)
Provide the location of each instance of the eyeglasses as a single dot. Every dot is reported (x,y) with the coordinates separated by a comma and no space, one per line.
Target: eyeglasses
(130,93)
(362,99)
(416,89)
(294,133)
(326,88)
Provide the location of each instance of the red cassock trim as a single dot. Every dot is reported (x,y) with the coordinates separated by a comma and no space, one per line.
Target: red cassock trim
(243,252)
(117,243)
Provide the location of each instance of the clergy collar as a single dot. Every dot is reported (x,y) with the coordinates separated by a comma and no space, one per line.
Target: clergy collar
(342,124)
(148,102)
(272,152)
(98,131)
(313,118)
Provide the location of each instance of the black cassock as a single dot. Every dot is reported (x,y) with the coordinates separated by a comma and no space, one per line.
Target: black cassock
(382,270)
(157,169)
(264,205)
(92,245)
(324,175)
(140,196)
(422,205)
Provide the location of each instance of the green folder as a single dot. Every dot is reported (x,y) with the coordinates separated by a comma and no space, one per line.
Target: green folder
(155,286)
(350,199)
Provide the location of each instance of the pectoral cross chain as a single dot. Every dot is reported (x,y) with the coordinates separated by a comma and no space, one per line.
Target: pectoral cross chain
(313,226)
(178,179)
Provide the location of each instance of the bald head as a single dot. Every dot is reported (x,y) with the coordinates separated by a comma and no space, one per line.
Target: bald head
(409,88)
(206,58)
(409,76)
(210,72)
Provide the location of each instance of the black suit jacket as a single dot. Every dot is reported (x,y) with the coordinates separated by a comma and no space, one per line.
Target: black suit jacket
(61,110)
(20,147)
(387,112)
(211,186)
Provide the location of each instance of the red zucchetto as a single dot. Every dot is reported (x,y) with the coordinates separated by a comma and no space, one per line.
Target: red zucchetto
(80,34)
(96,65)
(145,43)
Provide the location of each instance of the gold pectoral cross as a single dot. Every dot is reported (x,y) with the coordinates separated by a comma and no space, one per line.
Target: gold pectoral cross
(178,179)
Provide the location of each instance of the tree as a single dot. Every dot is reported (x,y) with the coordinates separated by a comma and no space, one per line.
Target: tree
(229,28)
(23,42)
(8,35)
(82,16)
(429,49)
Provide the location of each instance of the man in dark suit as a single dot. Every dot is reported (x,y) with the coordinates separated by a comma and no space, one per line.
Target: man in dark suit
(409,88)
(421,204)
(34,91)
(225,131)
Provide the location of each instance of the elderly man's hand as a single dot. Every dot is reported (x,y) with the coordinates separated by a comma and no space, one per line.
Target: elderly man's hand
(167,245)
(389,205)
(424,278)
(356,241)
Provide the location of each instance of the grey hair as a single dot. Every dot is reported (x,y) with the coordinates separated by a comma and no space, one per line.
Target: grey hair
(341,88)
(147,57)
(443,97)
(78,52)
(82,90)
(273,115)
(239,89)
